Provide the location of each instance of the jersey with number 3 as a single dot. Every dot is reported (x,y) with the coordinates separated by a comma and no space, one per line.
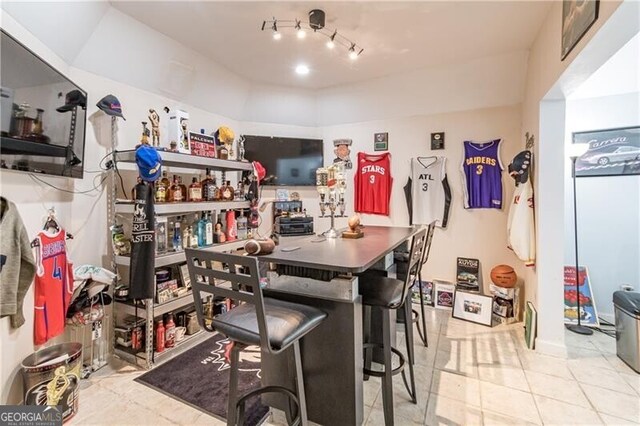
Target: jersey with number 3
(482,175)
(53,286)
(373,183)
(430,191)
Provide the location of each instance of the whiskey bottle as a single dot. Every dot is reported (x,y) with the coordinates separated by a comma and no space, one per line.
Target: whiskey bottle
(161,189)
(227,192)
(165,181)
(175,191)
(205,183)
(239,192)
(195,191)
(183,188)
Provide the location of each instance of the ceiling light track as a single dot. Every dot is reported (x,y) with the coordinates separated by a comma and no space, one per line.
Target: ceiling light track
(315,25)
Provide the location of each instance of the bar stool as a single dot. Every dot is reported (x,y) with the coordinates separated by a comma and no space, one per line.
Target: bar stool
(272,324)
(416,317)
(386,294)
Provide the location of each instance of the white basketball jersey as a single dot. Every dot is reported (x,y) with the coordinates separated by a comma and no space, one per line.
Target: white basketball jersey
(429,182)
(520,226)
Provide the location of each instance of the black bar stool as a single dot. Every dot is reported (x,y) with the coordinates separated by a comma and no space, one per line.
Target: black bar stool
(386,294)
(272,324)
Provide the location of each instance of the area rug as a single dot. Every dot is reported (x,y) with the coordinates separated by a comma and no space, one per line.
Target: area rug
(200,378)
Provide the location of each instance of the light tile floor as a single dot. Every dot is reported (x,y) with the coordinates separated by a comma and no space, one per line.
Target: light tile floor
(469,375)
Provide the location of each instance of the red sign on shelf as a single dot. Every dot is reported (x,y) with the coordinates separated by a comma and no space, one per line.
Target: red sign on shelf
(202,145)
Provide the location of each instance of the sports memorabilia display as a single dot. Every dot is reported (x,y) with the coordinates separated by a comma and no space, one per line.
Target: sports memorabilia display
(381,141)
(437,140)
(343,152)
(429,196)
(521,233)
(468,274)
(443,294)
(154,119)
(472,307)
(506,304)
(373,183)
(53,285)
(482,175)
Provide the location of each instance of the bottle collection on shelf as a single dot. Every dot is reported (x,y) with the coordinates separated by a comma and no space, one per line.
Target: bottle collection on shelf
(205,189)
(176,233)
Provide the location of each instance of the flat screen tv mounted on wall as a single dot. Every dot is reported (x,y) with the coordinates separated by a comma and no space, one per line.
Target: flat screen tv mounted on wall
(288,161)
(42,114)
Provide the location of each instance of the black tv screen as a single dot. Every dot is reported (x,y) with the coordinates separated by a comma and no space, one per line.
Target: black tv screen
(42,114)
(288,161)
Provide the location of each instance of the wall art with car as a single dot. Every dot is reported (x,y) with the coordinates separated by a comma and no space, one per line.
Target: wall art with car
(611,152)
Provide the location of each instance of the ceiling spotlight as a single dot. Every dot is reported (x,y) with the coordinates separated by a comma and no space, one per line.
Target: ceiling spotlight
(276,34)
(331,44)
(302,69)
(299,31)
(353,55)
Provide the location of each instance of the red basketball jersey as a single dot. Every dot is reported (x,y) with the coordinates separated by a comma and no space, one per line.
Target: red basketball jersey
(53,286)
(373,183)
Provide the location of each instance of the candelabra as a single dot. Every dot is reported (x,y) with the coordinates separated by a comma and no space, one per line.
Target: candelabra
(331,186)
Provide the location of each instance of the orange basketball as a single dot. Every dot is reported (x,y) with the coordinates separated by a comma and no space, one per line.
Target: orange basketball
(504,276)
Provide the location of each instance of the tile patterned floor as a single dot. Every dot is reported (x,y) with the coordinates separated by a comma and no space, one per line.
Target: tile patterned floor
(469,375)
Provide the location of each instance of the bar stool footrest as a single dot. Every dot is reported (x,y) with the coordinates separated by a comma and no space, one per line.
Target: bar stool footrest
(395,371)
(270,389)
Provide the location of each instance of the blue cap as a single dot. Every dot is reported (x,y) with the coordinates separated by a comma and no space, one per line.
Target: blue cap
(149,163)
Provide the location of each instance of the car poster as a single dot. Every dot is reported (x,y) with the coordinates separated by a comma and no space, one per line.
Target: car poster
(588,312)
(612,152)
(468,274)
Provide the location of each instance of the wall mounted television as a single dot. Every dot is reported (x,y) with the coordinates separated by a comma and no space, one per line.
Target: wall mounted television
(288,161)
(42,114)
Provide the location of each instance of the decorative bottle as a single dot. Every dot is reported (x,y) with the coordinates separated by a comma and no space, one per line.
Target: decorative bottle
(169,331)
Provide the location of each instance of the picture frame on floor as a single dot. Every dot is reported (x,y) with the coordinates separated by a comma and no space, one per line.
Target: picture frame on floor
(443,294)
(427,292)
(473,307)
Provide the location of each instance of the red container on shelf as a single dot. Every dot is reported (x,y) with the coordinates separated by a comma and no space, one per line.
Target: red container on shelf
(169,331)
(232,227)
(160,336)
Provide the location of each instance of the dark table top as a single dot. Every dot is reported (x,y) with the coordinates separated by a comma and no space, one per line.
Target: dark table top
(340,254)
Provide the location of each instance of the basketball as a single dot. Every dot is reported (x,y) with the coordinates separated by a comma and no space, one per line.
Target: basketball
(504,276)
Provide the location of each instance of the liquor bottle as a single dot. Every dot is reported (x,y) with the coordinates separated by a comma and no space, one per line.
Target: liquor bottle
(205,183)
(227,192)
(175,191)
(242,226)
(165,181)
(217,195)
(208,229)
(195,191)
(219,234)
(161,189)
(201,231)
(232,229)
(169,331)
(177,236)
(183,188)
(239,192)
(186,233)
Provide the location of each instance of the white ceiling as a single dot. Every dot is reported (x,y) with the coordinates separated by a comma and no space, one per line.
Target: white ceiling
(619,75)
(397,36)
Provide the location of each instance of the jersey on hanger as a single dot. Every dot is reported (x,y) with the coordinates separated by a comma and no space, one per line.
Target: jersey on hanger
(429,191)
(53,286)
(520,227)
(482,175)
(373,183)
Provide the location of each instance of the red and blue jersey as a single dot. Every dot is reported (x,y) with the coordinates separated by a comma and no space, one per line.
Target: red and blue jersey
(53,286)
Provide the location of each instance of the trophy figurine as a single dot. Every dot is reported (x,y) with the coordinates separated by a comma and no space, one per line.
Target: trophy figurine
(154,119)
(241,150)
(184,142)
(144,139)
(354,228)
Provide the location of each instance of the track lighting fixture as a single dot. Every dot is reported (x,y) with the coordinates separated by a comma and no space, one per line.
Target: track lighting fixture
(315,24)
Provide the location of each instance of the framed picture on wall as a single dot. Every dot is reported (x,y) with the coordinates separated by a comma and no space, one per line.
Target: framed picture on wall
(577,17)
(611,152)
(381,142)
(473,307)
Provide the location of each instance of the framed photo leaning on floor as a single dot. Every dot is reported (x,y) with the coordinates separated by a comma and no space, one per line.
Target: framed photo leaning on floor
(472,307)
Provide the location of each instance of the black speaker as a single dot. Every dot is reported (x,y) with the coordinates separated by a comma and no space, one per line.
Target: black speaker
(316,19)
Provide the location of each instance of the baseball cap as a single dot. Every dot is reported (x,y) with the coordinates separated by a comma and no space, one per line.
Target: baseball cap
(347,142)
(149,163)
(74,98)
(520,165)
(111,105)
(259,170)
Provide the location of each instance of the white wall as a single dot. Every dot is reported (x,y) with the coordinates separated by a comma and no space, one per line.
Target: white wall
(608,207)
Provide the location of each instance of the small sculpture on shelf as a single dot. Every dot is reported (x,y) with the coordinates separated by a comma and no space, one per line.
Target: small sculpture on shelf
(145,134)
(241,150)
(184,141)
(354,228)
(154,119)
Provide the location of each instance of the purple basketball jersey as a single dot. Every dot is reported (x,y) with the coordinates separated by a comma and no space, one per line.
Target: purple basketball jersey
(482,172)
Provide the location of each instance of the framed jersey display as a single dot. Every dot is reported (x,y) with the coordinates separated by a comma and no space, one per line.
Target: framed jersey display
(611,152)
(427,191)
